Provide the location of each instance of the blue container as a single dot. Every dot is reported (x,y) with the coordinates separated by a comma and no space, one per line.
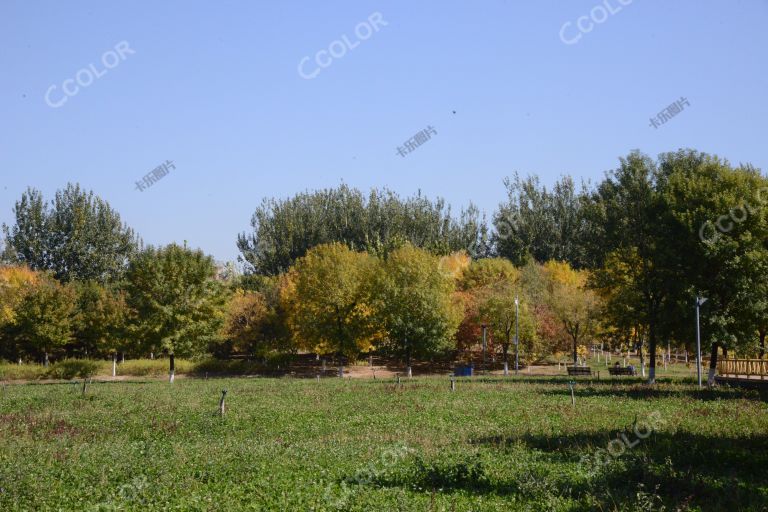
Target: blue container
(463,371)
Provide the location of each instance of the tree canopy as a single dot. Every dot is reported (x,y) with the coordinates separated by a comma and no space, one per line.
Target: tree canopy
(77,237)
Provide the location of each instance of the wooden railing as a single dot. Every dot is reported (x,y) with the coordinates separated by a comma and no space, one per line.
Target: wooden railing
(743,368)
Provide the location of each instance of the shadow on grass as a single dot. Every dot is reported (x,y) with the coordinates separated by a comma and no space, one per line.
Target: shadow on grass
(645,392)
(681,471)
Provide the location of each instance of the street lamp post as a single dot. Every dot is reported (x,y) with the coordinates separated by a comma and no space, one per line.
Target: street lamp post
(517,334)
(485,368)
(699,302)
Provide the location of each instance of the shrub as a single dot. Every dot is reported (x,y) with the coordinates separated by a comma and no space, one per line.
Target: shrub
(21,371)
(153,367)
(71,368)
(228,367)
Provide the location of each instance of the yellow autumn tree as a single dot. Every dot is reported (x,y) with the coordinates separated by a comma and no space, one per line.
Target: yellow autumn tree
(14,282)
(574,305)
(327,298)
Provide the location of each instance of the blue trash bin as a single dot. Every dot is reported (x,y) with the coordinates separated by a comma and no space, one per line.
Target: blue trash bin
(463,371)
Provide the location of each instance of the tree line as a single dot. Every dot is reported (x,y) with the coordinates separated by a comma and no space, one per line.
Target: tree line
(340,272)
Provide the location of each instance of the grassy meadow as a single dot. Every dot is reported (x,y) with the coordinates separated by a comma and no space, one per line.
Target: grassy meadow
(299,444)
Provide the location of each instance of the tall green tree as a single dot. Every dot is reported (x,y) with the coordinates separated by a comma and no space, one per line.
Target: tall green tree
(77,237)
(722,248)
(541,223)
(284,230)
(178,306)
(100,320)
(629,221)
(415,304)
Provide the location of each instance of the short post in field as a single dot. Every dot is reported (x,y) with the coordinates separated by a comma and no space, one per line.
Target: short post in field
(573,397)
(318,378)
(172,371)
(114,365)
(453,383)
(221,402)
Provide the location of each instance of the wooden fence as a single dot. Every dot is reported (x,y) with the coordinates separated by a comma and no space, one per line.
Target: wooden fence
(748,368)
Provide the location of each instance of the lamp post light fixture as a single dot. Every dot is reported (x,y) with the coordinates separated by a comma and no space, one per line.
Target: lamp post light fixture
(517,335)
(699,302)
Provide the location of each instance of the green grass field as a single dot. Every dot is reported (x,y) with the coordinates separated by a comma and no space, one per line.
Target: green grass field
(290,444)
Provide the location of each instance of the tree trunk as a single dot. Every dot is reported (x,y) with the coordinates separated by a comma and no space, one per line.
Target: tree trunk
(46,359)
(652,349)
(505,348)
(172,372)
(712,365)
(408,359)
(725,352)
(762,343)
(575,353)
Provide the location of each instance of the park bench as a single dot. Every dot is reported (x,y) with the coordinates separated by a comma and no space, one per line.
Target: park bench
(579,370)
(617,370)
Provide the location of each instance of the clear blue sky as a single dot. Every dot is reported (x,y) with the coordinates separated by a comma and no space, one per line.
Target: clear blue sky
(214,87)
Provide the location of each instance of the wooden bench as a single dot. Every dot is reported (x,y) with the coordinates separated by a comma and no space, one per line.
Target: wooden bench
(618,370)
(579,370)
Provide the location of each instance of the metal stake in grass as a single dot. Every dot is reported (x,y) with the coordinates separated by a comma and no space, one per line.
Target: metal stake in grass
(573,397)
(221,402)
(453,383)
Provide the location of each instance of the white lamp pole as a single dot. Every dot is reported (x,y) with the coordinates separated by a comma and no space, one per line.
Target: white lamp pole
(699,302)
(517,336)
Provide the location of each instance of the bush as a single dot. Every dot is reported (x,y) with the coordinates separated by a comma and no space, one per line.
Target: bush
(227,367)
(153,367)
(71,368)
(21,371)
(269,362)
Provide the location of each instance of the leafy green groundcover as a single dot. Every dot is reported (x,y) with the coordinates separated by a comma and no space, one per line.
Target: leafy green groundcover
(287,444)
